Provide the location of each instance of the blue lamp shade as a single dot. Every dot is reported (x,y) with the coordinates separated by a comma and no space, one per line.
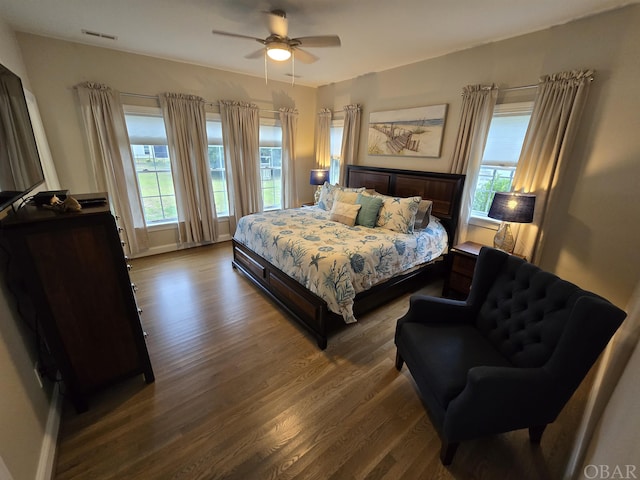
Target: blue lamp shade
(318,176)
(513,207)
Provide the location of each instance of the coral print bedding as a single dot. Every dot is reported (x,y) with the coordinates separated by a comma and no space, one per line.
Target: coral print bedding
(333,260)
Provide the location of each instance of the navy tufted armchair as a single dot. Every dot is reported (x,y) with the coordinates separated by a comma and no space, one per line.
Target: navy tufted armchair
(507,358)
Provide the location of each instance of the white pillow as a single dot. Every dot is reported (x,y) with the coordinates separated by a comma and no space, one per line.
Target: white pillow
(344,213)
(328,194)
(346,196)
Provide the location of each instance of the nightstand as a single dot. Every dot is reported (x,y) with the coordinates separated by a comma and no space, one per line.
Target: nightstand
(463,263)
(308,204)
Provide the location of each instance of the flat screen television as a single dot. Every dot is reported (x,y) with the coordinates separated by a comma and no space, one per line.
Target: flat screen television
(20,167)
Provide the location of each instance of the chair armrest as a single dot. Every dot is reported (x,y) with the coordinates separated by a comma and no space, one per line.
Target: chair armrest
(501,399)
(427,309)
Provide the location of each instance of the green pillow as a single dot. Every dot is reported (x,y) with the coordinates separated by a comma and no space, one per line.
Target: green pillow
(368,213)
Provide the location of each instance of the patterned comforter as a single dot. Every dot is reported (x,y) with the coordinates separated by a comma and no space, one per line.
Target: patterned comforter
(333,260)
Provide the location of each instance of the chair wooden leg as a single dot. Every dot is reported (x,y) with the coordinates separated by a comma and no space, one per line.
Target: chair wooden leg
(399,360)
(447,451)
(535,433)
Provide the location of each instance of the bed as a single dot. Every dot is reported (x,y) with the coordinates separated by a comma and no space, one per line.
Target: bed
(305,275)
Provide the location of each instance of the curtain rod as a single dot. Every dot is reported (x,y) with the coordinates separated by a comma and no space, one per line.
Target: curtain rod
(155,97)
(513,89)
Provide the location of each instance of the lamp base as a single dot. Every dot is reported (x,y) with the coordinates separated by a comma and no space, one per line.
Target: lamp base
(316,195)
(504,239)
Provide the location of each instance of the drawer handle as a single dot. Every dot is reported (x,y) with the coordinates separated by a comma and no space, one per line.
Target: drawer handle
(134,287)
(129,267)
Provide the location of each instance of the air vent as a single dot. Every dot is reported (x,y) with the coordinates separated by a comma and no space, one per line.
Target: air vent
(99,35)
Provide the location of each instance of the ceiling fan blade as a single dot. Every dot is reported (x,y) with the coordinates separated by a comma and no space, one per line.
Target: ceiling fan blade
(319,41)
(236,35)
(304,56)
(257,54)
(277,22)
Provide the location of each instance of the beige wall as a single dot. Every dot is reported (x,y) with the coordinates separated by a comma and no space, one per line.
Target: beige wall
(55,66)
(595,225)
(24,406)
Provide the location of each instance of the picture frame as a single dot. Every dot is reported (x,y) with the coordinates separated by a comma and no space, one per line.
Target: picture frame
(411,132)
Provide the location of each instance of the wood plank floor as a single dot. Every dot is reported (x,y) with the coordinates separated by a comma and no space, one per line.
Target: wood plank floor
(241,392)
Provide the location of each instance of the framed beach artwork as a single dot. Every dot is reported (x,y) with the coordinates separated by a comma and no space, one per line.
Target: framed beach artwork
(415,132)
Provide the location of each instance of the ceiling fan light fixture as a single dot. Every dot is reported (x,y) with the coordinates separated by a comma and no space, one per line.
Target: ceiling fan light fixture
(279,52)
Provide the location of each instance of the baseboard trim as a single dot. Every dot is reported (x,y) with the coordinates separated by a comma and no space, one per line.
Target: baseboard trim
(46,463)
(174,248)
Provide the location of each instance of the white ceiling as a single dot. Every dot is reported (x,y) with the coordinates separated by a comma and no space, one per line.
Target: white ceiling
(376,34)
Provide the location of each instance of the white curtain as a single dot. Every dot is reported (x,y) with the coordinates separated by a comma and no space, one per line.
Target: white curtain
(615,361)
(241,140)
(185,122)
(323,139)
(350,139)
(112,161)
(289,123)
(556,115)
(478,103)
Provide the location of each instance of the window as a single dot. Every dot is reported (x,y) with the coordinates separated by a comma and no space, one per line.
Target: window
(217,166)
(501,153)
(335,132)
(148,140)
(271,165)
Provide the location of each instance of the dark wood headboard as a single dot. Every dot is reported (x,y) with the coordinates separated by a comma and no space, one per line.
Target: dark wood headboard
(444,189)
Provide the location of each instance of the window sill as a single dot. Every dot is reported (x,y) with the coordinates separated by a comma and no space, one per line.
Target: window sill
(158,227)
(484,222)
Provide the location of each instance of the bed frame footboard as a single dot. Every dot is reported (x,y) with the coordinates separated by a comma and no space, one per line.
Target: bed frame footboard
(303,305)
(307,308)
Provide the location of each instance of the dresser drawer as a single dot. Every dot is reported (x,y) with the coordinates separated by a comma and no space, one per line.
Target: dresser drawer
(463,265)
(460,284)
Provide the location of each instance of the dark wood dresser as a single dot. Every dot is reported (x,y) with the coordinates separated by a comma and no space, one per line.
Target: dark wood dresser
(70,278)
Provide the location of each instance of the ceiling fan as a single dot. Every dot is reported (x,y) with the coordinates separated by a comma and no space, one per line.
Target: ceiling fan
(279,46)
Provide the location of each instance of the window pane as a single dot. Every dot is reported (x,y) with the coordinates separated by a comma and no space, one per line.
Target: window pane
(158,209)
(271,166)
(490,180)
(165,181)
(218,179)
(153,169)
(336,147)
(501,154)
(271,188)
(217,167)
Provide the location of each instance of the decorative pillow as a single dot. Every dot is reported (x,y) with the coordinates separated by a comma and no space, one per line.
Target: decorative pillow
(346,197)
(423,214)
(398,214)
(328,194)
(344,213)
(368,214)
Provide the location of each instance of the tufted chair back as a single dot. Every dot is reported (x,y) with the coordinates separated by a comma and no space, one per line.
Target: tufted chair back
(525,312)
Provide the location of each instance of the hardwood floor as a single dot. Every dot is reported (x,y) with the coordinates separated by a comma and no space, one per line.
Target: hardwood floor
(241,392)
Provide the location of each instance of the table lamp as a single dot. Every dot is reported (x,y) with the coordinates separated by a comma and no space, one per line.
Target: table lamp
(318,177)
(510,207)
